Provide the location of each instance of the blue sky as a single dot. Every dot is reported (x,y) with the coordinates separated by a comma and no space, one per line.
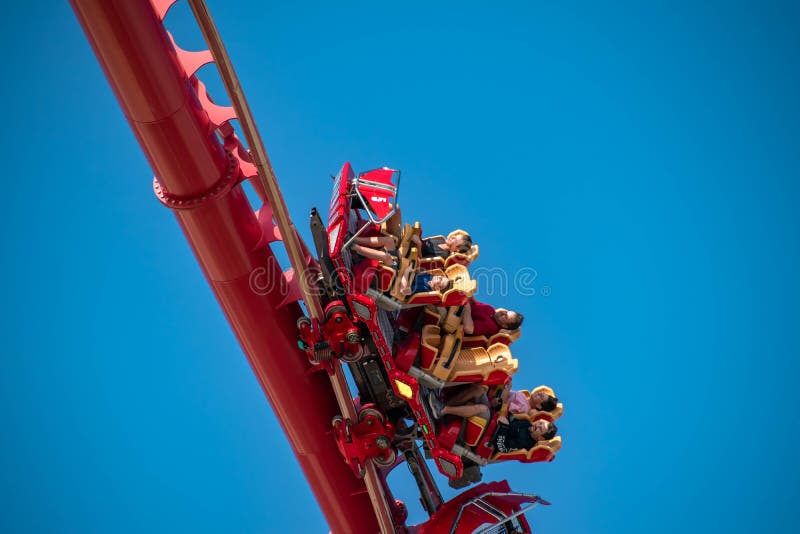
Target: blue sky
(641,157)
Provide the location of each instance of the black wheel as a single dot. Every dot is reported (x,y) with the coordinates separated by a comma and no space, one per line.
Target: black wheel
(362,415)
(338,421)
(353,358)
(386,461)
(334,310)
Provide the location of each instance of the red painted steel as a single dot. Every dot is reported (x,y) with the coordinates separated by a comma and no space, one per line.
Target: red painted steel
(224,233)
(469,517)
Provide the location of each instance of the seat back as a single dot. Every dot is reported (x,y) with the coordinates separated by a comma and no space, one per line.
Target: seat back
(433,315)
(475,428)
(549,416)
(462,288)
(462,281)
(494,365)
(462,258)
(424,297)
(543,451)
(448,356)
(429,346)
(506,337)
(452,318)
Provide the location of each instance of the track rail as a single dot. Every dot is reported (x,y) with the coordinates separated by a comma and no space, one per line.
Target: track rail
(291,239)
(199,179)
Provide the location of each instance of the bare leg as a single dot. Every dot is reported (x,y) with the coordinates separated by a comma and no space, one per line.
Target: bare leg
(472,392)
(466,411)
(385,242)
(373,254)
(395,223)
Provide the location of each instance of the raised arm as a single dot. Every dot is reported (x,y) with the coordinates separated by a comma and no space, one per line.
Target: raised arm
(405,286)
(466,319)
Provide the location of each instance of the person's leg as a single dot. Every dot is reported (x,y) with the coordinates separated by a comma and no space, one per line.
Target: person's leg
(467,394)
(383,241)
(373,254)
(466,411)
(395,223)
(504,395)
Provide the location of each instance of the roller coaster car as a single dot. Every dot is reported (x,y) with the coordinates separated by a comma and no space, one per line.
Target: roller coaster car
(366,305)
(358,206)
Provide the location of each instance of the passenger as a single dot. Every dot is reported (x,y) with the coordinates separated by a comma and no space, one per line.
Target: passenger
(442,247)
(431,247)
(423,282)
(480,319)
(538,401)
(474,400)
(380,248)
(521,434)
(468,402)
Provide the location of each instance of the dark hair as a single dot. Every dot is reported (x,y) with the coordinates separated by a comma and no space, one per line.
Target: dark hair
(551,431)
(549,404)
(513,325)
(447,285)
(465,245)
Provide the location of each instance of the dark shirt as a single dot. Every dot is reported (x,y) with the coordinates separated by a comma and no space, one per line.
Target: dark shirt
(483,320)
(430,248)
(421,283)
(515,435)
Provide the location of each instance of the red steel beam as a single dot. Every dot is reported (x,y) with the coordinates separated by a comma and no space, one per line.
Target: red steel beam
(175,134)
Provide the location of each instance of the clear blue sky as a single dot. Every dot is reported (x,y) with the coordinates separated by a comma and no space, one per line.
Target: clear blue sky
(642,157)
